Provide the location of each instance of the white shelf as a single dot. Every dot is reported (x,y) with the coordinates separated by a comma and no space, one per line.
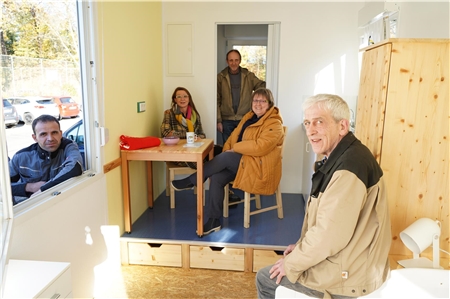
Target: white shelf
(37,279)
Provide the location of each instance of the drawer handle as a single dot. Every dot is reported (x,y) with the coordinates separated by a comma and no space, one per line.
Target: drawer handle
(56,296)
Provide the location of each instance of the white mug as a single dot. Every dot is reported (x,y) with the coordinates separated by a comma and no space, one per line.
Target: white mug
(191,137)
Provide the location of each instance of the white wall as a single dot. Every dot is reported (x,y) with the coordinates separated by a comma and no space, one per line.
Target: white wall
(318,53)
(56,231)
(424,20)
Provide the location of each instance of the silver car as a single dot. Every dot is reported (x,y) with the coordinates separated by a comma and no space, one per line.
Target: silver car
(10,114)
(29,108)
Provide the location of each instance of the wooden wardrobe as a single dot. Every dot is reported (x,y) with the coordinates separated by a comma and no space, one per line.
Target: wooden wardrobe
(403,118)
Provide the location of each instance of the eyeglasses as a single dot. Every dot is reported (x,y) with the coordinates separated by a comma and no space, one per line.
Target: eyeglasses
(259,101)
(181,97)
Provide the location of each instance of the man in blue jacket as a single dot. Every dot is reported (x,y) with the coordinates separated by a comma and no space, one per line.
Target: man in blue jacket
(46,163)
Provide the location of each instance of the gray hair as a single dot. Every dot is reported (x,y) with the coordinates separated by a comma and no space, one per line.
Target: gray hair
(335,104)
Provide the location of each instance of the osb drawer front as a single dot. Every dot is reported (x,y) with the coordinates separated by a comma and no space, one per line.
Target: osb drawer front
(223,258)
(263,258)
(154,254)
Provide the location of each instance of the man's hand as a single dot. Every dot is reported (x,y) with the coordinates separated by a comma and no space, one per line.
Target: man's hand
(33,187)
(277,271)
(36,193)
(220,127)
(289,249)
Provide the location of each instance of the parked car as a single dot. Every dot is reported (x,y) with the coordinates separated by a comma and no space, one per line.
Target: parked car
(76,133)
(29,108)
(67,106)
(10,114)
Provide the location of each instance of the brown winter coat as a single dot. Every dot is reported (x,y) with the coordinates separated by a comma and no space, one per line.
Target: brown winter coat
(260,166)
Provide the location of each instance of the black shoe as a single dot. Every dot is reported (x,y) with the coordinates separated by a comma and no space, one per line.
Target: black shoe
(233,198)
(183,184)
(212,225)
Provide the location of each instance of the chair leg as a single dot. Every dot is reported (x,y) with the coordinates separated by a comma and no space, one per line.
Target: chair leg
(247,210)
(226,201)
(258,201)
(279,203)
(167,181)
(172,191)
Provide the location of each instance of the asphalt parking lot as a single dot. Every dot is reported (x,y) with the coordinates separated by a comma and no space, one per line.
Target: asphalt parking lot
(19,136)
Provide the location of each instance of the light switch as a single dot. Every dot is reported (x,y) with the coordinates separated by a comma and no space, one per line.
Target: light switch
(140,107)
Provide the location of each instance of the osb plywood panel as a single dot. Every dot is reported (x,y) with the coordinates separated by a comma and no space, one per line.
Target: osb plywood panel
(169,283)
(415,150)
(372,98)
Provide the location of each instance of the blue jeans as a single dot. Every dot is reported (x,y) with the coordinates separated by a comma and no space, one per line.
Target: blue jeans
(228,128)
(221,170)
(266,286)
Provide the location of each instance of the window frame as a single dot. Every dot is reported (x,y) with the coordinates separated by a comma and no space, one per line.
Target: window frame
(13,215)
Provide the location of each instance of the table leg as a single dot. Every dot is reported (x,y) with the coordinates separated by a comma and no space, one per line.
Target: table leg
(200,192)
(200,196)
(126,192)
(149,184)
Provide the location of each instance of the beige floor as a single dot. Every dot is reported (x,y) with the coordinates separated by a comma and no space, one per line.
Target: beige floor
(169,282)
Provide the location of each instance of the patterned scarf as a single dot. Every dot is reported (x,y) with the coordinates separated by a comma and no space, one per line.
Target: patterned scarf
(189,120)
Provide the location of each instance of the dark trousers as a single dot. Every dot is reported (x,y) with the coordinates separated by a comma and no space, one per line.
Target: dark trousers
(228,127)
(221,170)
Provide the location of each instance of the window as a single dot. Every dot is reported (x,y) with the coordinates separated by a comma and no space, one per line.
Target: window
(30,75)
(254,59)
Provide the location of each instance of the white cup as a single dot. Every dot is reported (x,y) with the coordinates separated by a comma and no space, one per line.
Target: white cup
(191,137)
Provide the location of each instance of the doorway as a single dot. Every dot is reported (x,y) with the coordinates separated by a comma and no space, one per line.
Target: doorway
(259,47)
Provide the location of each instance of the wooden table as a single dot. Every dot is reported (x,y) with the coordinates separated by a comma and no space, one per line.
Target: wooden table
(165,153)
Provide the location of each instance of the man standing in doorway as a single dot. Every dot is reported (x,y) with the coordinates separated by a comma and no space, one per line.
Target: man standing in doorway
(234,93)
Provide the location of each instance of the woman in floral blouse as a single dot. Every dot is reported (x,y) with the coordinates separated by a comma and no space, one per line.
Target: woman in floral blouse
(182,117)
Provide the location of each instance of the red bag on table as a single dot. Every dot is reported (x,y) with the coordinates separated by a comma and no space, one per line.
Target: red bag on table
(133,143)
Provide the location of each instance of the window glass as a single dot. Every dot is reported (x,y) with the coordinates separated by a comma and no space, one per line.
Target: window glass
(254,59)
(41,63)
(55,77)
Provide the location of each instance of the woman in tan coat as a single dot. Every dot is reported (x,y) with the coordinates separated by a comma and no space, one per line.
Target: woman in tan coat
(251,157)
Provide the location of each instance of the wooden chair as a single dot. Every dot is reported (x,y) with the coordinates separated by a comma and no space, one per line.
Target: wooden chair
(256,197)
(173,169)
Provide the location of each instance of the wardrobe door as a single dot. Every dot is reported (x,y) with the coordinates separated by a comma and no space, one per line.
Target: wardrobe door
(372,98)
(415,157)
